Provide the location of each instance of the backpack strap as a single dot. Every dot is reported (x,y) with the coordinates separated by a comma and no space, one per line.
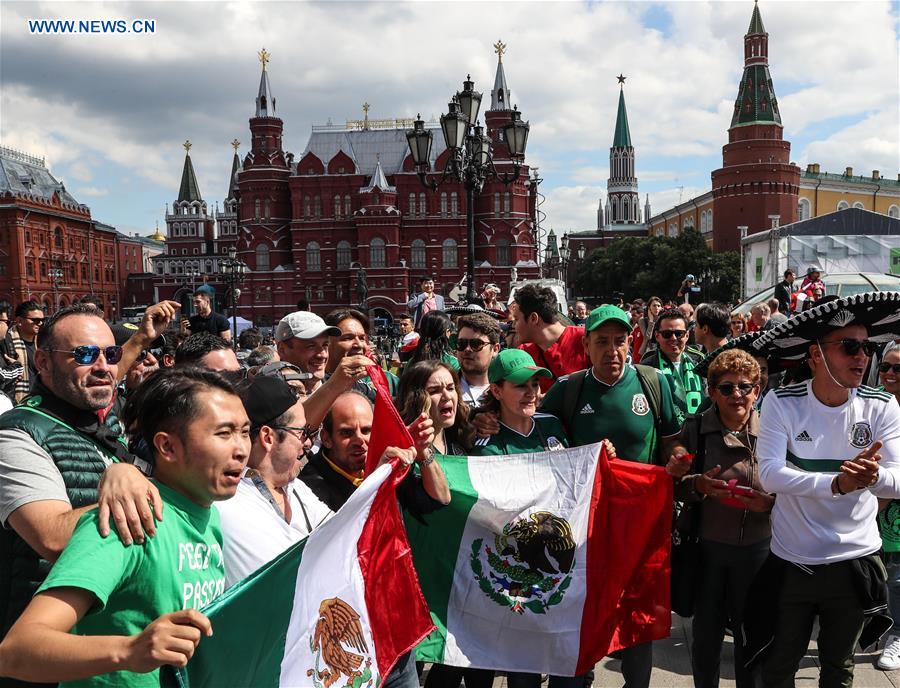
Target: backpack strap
(574,383)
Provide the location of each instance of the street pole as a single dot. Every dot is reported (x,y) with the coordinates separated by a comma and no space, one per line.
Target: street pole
(470,243)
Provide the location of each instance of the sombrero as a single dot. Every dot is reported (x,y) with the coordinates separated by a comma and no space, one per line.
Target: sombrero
(460,309)
(878,311)
(744,343)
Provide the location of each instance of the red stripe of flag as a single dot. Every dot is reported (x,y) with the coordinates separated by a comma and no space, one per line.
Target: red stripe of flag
(388,429)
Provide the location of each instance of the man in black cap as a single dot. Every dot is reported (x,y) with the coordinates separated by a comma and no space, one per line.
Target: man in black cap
(271,509)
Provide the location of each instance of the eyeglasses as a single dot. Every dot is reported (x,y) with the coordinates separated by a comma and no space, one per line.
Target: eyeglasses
(89,353)
(884,367)
(727,388)
(851,347)
(474,344)
(307,432)
(668,334)
(143,355)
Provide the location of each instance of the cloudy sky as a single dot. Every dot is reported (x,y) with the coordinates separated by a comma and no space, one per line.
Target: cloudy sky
(110,112)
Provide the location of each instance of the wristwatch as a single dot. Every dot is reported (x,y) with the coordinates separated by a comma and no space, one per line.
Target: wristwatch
(427,457)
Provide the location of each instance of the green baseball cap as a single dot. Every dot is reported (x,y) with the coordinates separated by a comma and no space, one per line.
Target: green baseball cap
(515,365)
(607,313)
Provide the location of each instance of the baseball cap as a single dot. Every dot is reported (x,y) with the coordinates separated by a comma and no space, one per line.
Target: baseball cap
(303,325)
(607,313)
(515,365)
(266,398)
(492,287)
(123,332)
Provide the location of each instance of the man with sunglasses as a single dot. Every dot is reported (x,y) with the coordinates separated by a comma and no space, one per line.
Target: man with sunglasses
(271,509)
(828,448)
(676,361)
(58,446)
(477,342)
(19,344)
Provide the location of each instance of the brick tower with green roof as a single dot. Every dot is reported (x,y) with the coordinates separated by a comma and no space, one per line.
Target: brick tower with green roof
(757,180)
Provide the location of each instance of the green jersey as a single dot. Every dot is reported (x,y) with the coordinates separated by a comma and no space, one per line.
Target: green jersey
(620,413)
(546,433)
(181,567)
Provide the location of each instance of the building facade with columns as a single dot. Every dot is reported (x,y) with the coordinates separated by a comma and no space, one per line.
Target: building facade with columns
(348,218)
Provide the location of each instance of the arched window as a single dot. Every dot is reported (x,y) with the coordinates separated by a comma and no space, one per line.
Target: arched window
(417,254)
(256,209)
(268,209)
(337,206)
(454,204)
(443,204)
(317,206)
(192,229)
(58,237)
(502,251)
(29,269)
(209,266)
(344,255)
(449,256)
(423,205)
(348,209)
(262,257)
(506,203)
(859,205)
(313,257)
(803,209)
(843,205)
(412,205)
(894,211)
(376,253)
(307,207)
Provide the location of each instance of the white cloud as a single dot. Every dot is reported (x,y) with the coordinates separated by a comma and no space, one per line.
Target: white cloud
(871,144)
(567,207)
(92,191)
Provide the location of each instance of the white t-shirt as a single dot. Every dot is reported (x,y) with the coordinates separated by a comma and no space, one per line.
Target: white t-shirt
(471,394)
(801,446)
(254,533)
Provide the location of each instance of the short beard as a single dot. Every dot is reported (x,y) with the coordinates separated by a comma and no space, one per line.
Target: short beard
(468,369)
(65,388)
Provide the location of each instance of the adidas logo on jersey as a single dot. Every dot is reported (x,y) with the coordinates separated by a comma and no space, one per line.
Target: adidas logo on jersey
(803,437)
(587,409)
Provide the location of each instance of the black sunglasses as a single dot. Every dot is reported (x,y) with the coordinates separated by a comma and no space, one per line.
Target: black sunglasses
(727,388)
(474,344)
(884,367)
(36,321)
(88,353)
(851,347)
(307,432)
(668,334)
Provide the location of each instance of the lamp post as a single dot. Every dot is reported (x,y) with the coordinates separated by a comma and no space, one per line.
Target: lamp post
(56,276)
(471,157)
(233,271)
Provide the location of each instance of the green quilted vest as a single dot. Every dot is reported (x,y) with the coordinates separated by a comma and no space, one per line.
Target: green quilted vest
(81,463)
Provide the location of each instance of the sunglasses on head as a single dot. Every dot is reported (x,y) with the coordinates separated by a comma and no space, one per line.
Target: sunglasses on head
(727,388)
(884,367)
(89,353)
(851,347)
(668,334)
(474,344)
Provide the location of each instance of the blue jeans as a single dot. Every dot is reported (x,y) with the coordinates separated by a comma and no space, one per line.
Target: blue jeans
(404,674)
(892,564)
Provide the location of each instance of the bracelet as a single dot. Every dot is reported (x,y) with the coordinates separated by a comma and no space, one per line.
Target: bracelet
(836,486)
(428,459)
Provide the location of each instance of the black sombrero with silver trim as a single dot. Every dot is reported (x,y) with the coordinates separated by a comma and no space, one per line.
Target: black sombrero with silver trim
(469,309)
(878,311)
(744,343)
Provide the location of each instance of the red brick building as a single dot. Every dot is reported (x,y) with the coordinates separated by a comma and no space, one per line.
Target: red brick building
(350,202)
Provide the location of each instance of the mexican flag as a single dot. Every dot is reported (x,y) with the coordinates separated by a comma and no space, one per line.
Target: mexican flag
(337,608)
(545,562)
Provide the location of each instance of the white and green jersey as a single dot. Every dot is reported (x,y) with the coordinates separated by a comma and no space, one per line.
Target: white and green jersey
(546,433)
(801,446)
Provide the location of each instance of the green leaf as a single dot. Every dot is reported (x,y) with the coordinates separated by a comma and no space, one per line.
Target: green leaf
(536,606)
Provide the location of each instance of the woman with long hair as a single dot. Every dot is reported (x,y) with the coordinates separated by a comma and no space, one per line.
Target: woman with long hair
(435,329)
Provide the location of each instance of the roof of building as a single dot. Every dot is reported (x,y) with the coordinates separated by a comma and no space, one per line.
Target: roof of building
(189,189)
(368,147)
(756,25)
(622,137)
(265,101)
(851,179)
(233,179)
(21,173)
(500,93)
(839,223)
(378,181)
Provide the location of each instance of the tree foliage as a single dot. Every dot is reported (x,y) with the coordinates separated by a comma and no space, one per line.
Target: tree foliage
(656,266)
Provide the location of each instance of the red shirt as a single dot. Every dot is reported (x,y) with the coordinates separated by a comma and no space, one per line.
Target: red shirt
(566,355)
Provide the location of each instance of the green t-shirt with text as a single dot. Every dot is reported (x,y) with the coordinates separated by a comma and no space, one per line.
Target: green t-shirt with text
(181,567)
(546,433)
(620,413)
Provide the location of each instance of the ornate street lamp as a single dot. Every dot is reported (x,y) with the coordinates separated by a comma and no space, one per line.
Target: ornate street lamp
(471,157)
(233,271)
(56,277)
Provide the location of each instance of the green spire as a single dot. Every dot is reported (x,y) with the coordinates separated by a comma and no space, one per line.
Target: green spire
(622,138)
(552,250)
(756,25)
(190,190)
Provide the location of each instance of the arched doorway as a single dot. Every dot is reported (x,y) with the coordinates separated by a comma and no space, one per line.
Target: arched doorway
(184,296)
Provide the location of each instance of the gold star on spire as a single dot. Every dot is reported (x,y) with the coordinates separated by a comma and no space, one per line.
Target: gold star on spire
(187,146)
(235,144)
(621,78)
(500,48)
(264,57)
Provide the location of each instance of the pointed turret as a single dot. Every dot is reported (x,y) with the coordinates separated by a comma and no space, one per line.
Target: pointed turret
(189,189)
(265,101)
(500,92)
(378,181)
(552,250)
(235,166)
(622,137)
(756,102)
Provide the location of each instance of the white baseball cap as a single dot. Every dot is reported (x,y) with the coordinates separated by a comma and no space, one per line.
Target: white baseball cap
(303,325)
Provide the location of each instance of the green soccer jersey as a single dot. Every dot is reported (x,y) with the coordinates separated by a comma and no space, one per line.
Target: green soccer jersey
(181,567)
(546,433)
(620,413)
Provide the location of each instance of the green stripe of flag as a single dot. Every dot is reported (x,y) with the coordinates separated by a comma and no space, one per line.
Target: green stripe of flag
(815,465)
(430,544)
